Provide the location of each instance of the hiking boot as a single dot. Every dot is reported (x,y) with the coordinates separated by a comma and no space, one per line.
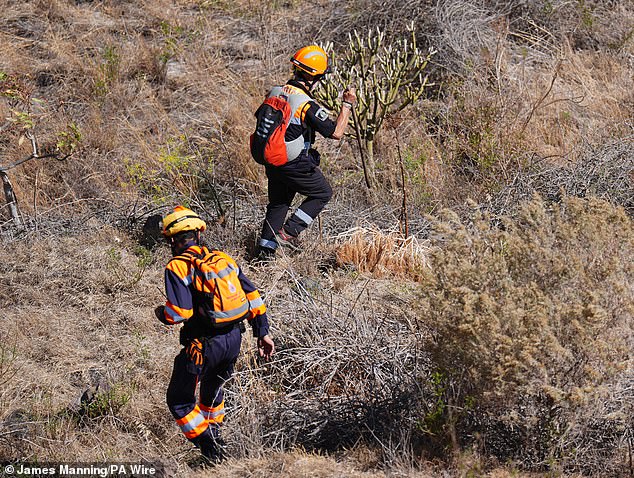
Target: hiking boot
(283,238)
(212,449)
(264,255)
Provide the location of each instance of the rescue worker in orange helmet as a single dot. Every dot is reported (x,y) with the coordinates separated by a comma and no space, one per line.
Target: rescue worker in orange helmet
(209,351)
(302,173)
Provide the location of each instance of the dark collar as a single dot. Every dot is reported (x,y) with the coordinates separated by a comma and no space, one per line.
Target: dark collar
(185,247)
(300,85)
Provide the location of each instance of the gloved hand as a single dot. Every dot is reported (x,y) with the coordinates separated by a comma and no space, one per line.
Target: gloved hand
(160,314)
(194,351)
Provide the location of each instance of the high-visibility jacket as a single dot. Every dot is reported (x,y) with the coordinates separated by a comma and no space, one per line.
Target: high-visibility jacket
(184,301)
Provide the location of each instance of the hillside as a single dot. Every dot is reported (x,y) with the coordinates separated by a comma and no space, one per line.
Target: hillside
(470,314)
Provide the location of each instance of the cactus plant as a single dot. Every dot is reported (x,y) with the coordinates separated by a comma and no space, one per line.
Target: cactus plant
(388,77)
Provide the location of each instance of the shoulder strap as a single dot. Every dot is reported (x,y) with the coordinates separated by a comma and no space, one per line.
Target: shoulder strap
(190,255)
(295,97)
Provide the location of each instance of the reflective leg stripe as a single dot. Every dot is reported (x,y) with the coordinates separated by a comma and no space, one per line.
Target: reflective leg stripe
(304,217)
(193,424)
(214,414)
(269,244)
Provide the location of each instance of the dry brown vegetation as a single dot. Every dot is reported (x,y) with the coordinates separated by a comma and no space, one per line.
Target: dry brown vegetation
(493,339)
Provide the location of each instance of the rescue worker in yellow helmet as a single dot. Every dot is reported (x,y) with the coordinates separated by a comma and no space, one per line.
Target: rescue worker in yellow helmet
(302,173)
(209,351)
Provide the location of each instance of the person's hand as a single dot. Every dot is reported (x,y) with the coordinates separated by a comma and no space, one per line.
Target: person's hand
(194,351)
(266,347)
(350,95)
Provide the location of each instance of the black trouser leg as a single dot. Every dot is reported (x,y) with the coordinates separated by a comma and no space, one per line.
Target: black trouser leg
(280,199)
(299,176)
(181,397)
(318,192)
(221,353)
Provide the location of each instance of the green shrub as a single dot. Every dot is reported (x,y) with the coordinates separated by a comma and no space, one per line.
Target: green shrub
(108,402)
(181,172)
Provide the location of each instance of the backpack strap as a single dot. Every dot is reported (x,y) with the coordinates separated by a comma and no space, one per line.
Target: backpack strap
(297,100)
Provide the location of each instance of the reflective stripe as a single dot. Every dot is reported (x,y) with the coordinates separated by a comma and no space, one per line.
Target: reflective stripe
(177,314)
(220,274)
(193,424)
(304,217)
(267,243)
(217,417)
(314,53)
(256,303)
(173,315)
(230,313)
(214,414)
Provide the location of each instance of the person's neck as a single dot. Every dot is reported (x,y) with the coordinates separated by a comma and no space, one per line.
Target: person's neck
(178,249)
(305,85)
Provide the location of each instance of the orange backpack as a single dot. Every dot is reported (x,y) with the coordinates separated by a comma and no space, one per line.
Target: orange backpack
(267,143)
(216,278)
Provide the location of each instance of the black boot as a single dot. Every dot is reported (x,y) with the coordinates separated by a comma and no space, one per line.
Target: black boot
(212,448)
(264,255)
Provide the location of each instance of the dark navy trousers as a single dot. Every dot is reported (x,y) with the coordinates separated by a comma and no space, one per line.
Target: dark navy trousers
(203,417)
(302,176)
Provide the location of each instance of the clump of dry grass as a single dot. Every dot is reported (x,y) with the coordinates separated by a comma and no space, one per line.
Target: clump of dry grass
(383,254)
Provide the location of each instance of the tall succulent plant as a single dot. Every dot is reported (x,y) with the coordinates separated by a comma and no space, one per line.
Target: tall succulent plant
(389,76)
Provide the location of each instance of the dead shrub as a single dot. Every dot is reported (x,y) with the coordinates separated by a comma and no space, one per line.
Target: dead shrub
(346,373)
(533,333)
(605,171)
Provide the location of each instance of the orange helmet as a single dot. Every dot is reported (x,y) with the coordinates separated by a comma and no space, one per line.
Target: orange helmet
(180,220)
(311,59)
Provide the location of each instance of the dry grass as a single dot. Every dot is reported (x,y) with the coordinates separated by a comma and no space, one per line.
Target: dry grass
(163,93)
(383,254)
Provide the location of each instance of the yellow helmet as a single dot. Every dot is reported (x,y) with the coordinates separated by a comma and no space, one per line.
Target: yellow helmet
(312,59)
(180,220)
